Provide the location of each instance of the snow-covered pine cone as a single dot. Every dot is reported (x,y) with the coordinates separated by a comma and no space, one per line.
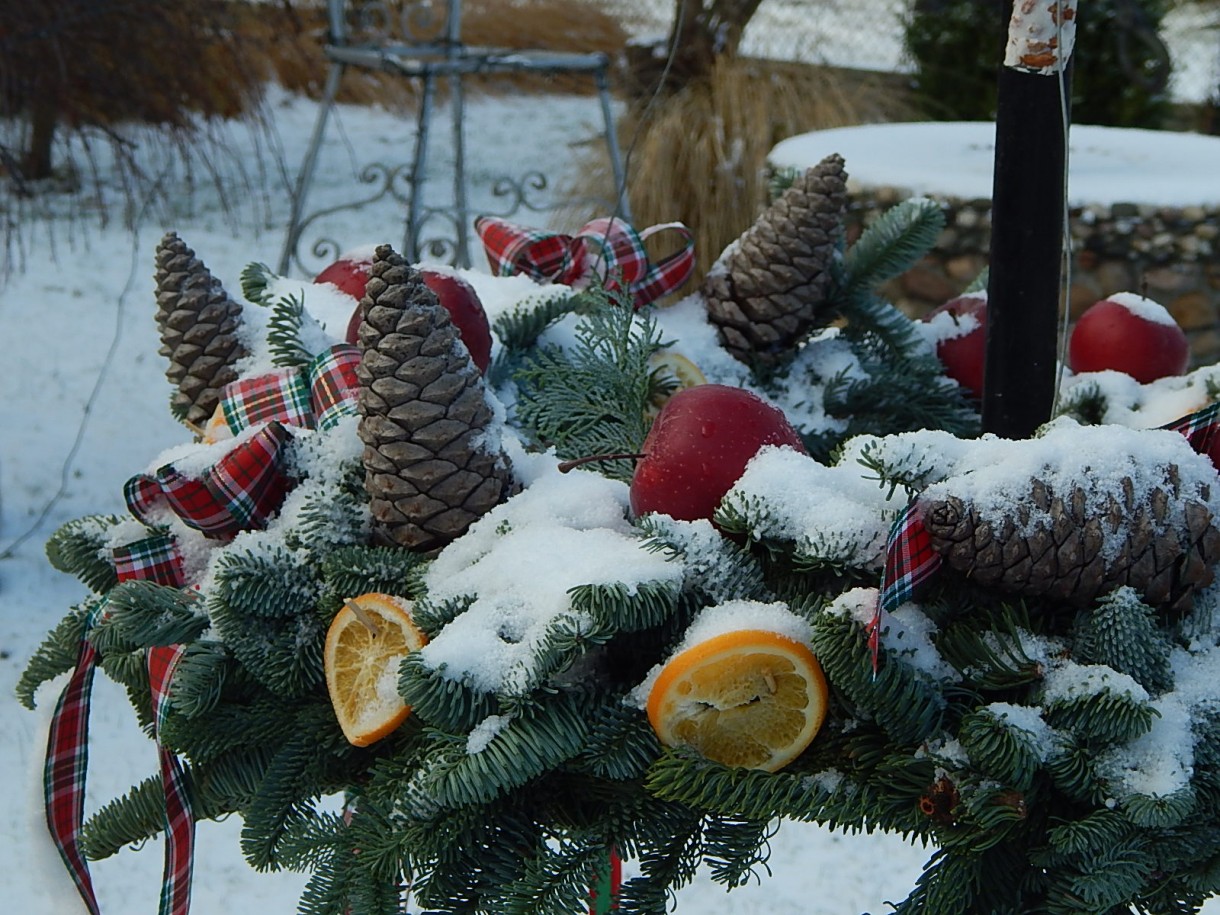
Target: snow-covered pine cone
(423,415)
(1068,554)
(198,324)
(766,291)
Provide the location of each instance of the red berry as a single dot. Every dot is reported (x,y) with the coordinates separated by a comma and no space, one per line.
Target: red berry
(962,343)
(1129,333)
(350,272)
(698,447)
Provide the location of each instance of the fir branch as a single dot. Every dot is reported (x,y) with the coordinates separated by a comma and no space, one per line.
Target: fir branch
(892,244)
(987,648)
(354,570)
(1089,834)
(1159,812)
(835,801)
(901,699)
(200,677)
(284,655)
(144,614)
(284,799)
(442,701)
(57,654)
(255,280)
(618,607)
(735,846)
(334,516)
(1106,716)
(284,332)
(1085,402)
(1109,879)
(1073,770)
(713,565)
(667,863)
(592,399)
(555,882)
(569,638)
(139,814)
(519,328)
(1121,632)
(80,548)
(275,586)
(522,749)
(999,749)
(621,745)
(432,617)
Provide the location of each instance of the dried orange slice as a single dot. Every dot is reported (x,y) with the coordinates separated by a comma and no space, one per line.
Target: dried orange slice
(668,365)
(749,698)
(366,641)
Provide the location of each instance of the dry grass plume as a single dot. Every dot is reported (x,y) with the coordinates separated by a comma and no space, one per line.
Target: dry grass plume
(700,156)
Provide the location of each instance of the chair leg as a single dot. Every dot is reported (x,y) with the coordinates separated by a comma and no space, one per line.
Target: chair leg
(419,162)
(612,147)
(305,177)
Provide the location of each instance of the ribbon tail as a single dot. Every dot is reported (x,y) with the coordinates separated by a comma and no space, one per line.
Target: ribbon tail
(64,773)
(179,815)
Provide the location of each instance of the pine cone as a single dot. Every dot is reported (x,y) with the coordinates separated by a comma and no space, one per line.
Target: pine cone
(423,413)
(1073,556)
(198,323)
(767,290)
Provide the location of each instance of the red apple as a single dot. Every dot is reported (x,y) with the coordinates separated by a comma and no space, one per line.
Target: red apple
(350,272)
(698,447)
(465,311)
(1129,333)
(962,344)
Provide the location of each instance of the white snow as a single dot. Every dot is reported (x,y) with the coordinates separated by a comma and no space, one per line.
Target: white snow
(1106,165)
(519,562)
(1143,307)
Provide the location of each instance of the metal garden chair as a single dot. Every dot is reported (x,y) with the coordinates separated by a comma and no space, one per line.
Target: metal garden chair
(421,40)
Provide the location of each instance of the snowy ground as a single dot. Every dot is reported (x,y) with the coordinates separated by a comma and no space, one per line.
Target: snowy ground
(83,405)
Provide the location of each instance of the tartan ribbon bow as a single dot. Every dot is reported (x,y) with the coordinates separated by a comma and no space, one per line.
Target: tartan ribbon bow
(315,396)
(605,248)
(156,559)
(239,492)
(910,560)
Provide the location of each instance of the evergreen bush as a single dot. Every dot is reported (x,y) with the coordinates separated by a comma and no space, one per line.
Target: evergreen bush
(1120,71)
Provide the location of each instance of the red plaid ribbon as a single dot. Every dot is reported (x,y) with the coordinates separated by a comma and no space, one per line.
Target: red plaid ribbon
(315,396)
(1200,428)
(152,559)
(241,491)
(605,248)
(910,561)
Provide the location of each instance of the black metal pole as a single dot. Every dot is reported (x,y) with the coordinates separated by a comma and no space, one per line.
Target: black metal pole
(1027,226)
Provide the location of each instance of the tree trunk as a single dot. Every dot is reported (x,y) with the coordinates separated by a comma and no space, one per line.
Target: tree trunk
(702,31)
(36,161)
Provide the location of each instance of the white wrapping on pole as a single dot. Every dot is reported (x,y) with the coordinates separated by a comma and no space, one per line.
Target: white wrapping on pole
(1038,41)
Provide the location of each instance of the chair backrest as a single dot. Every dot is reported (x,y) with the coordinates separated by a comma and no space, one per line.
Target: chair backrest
(430,25)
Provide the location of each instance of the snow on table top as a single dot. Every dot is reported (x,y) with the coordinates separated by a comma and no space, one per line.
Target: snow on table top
(1107,165)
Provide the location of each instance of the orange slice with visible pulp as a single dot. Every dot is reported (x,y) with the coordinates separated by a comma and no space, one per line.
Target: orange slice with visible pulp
(750,698)
(364,645)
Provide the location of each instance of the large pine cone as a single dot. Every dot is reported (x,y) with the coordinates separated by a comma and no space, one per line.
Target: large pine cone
(198,323)
(423,415)
(1073,556)
(767,290)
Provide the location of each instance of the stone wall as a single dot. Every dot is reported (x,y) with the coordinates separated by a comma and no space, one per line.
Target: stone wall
(1171,255)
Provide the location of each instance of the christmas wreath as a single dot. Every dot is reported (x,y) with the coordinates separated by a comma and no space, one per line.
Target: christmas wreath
(643,583)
